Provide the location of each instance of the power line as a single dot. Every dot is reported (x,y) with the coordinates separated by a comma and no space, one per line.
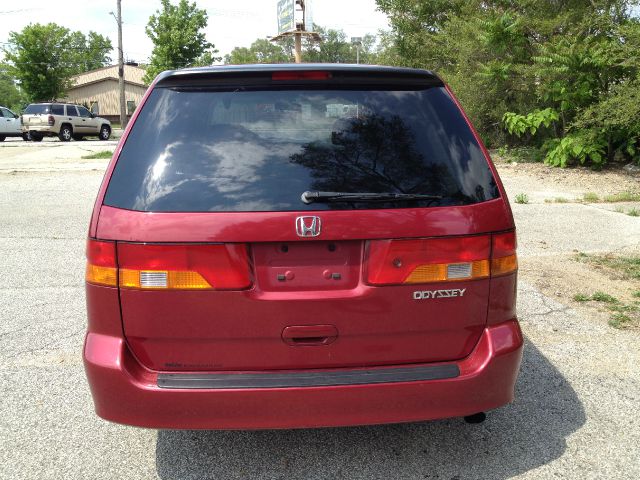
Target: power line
(7,12)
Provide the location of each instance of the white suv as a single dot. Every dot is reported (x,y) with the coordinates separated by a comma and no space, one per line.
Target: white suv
(9,124)
(66,121)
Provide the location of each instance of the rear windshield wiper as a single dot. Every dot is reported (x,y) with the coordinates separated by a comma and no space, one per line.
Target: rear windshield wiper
(311,197)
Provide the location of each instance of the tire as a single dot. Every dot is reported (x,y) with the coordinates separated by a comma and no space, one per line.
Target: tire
(66,133)
(36,138)
(26,137)
(105,132)
(2,137)
(77,137)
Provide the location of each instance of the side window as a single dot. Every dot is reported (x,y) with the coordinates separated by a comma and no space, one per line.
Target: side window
(2,113)
(57,109)
(131,107)
(84,112)
(72,111)
(95,108)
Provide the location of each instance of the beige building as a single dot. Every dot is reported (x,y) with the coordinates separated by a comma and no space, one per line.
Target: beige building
(98,90)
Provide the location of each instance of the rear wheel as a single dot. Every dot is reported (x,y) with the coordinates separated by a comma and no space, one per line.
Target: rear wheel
(26,137)
(66,133)
(2,137)
(105,132)
(36,138)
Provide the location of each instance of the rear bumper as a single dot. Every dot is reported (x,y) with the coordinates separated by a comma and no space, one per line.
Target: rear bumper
(125,392)
(45,130)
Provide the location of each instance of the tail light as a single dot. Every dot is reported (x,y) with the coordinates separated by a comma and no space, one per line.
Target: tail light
(101,263)
(183,266)
(310,75)
(503,254)
(166,267)
(51,120)
(395,262)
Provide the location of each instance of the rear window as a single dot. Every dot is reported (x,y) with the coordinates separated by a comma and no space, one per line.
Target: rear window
(243,150)
(36,109)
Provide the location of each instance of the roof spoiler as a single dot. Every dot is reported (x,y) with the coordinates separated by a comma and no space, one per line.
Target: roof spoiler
(297,74)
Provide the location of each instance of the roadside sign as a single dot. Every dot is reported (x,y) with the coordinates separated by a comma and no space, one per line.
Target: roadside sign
(286,16)
(308,15)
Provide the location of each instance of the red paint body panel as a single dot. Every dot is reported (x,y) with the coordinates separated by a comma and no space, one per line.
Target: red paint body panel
(131,226)
(125,392)
(203,331)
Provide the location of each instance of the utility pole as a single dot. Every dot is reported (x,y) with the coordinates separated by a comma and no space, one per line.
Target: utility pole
(123,104)
(357,41)
(298,35)
(298,51)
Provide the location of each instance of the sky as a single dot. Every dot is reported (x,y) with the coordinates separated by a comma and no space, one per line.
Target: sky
(231,24)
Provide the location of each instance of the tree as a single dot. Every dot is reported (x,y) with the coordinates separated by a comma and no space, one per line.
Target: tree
(536,68)
(43,58)
(10,96)
(89,52)
(178,39)
(39,60)
(260,51)
(334,48)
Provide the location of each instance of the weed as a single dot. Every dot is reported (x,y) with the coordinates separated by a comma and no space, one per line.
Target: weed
(581,297)
(520,154)
(636,294)
(622,197)
(628,267)
(619,320)
(97,155)
(619,210)
(623,308)
(634,212)
(522,198)
(590,197)
(603,297)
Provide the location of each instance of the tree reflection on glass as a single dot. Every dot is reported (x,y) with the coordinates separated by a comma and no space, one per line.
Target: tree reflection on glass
(378,154)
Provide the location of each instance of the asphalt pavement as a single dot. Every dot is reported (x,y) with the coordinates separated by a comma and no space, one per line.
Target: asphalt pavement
(575,415)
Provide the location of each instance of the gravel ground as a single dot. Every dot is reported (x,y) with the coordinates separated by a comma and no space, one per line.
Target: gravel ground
(575,415)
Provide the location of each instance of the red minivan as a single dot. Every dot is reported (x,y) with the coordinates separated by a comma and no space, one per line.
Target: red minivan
(289,246)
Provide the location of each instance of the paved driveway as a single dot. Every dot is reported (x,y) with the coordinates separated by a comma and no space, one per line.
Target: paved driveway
(577,397)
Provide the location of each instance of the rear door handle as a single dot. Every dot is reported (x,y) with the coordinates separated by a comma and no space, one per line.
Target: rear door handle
(309,335)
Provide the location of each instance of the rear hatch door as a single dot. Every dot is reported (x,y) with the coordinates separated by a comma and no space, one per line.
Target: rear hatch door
(208,190)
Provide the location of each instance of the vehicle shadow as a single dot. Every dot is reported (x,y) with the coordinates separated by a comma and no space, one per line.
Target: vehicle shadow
(514,439)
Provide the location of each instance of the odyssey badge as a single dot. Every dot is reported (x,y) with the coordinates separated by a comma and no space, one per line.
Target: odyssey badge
(429,294)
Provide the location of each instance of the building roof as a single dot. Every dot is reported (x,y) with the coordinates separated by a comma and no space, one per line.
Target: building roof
(132,75)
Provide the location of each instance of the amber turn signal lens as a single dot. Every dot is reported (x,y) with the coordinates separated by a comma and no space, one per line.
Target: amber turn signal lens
(101,275)
(501,266)
(443,272)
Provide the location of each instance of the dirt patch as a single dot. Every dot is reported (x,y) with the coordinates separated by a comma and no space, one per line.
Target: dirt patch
(563,277)
(542,183)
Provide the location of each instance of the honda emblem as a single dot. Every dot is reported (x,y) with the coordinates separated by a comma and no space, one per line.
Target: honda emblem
(308,226)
